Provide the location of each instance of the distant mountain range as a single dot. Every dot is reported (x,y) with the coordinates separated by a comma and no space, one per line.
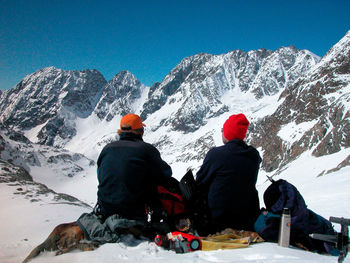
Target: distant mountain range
(54,123)
(296,102)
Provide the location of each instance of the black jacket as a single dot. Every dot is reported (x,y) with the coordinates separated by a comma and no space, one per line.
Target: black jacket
(128,170)
(227,178)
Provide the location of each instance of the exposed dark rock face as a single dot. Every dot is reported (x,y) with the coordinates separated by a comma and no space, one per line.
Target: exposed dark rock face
(11,173)
(119,95)
(321,96)
(199,82)
(52,98)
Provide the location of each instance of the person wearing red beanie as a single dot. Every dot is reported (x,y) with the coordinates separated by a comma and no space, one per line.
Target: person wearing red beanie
(235,127)
(226,180)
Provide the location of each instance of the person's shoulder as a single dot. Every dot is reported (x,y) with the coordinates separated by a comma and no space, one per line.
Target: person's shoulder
(149,146)
(110,145)
(255,152)
(215,150)
(252,148)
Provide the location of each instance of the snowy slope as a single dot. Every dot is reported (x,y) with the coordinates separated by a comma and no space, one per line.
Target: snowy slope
(59,169)
(29,211)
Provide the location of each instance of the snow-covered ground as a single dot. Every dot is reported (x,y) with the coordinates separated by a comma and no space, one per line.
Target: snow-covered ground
(25,224)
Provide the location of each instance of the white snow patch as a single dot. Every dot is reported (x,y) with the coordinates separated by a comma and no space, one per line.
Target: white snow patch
(138,104)
(92,135)
(33,133)
(293,132)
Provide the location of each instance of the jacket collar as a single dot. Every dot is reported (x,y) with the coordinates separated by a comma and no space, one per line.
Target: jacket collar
(130,136)
(237,142)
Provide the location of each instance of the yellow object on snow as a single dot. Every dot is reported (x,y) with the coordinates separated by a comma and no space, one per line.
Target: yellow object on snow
(215,244)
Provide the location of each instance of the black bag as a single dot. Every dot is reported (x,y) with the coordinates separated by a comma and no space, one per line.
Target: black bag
(197,205)
(281,194)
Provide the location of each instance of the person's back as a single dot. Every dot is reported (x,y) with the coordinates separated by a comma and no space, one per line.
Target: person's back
(128,171)
(228,176)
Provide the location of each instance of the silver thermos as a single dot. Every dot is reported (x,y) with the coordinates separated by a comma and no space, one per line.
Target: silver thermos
(284,233)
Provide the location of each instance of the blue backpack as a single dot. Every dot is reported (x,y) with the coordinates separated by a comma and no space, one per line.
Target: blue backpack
(281,194)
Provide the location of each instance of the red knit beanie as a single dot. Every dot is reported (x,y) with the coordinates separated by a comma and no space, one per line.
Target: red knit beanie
(236,127)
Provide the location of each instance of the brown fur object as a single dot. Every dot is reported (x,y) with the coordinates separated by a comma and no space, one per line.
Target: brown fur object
(63,238)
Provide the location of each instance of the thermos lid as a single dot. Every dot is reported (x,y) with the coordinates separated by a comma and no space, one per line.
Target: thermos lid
(286,211)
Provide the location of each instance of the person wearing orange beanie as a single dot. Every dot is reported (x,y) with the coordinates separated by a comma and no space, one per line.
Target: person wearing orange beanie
(227,178)
(128,170)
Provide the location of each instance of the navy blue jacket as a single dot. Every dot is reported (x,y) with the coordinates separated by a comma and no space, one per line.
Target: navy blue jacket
(227,177)
(128,170)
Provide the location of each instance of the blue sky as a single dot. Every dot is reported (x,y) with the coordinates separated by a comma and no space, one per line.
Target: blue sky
(149,38)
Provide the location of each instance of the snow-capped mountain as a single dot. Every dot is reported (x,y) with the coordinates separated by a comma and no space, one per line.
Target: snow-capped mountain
(283,90)
(122,95)
(48,108)
(203,86)
(49,100)
(313,113)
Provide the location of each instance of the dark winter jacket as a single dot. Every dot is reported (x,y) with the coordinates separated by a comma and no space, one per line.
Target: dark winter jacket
(128,170)
(228,177)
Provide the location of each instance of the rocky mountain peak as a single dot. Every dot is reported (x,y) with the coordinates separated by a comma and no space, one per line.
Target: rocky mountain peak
(200,83)
(342,47)
(125,76)
(122,95)
(317,104)
(51,97)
